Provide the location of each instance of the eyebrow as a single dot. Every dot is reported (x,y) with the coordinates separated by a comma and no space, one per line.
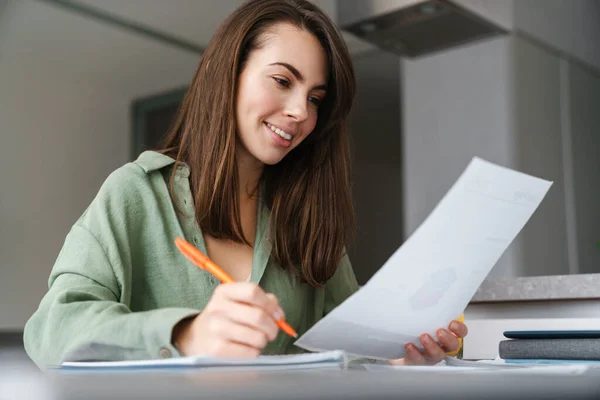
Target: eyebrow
(297,74)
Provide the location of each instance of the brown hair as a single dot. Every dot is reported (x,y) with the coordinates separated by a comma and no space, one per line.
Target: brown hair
(308,192)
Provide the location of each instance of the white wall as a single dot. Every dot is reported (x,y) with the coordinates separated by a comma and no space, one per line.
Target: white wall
(536,139)
(456,105)
(504,100)
(59,140)
(66,84)
(570,26)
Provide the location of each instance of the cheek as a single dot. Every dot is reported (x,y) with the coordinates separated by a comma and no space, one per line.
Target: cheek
(259,101)
(310,123)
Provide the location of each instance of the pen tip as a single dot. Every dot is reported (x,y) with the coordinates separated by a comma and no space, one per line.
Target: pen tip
(295,336)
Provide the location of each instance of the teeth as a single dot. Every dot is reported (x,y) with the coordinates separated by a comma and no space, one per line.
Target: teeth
(281,133)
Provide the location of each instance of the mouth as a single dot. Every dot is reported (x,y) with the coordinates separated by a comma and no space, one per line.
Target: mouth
(283,134)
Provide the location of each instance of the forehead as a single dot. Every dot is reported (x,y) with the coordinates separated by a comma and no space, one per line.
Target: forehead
(284,42)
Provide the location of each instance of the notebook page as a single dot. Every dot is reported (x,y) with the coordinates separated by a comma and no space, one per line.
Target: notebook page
(309,359)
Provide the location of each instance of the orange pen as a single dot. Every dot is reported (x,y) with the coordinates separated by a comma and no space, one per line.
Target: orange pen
(202,261)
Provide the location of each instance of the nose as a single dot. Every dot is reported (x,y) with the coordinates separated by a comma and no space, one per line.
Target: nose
(297,107)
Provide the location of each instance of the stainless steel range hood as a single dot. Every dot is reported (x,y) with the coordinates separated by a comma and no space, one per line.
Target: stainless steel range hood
(412,27)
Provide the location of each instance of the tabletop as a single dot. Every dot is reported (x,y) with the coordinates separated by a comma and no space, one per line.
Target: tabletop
(23,381)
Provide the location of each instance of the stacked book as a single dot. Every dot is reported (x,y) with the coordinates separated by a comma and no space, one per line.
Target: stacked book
(550,346)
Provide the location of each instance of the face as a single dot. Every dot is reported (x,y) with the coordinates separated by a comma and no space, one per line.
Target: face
(279,93)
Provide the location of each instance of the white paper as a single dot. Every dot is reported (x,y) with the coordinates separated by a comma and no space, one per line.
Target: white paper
(431,278)
(535,369)
(420,368)
(311,360)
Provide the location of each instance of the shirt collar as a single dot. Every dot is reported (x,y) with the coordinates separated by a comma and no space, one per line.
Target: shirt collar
(152,161)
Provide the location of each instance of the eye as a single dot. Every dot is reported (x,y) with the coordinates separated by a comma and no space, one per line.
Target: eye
(282,82)
(315,100)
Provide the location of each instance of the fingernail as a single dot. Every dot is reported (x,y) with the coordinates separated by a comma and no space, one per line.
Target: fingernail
(428,339)
(454,326)
(276,315)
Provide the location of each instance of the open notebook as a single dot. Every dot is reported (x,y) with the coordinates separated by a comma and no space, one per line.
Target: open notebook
(335,358)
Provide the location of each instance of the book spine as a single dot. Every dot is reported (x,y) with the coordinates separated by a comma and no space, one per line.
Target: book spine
(557,349)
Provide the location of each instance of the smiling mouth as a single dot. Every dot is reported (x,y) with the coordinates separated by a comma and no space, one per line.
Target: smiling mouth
(279,131)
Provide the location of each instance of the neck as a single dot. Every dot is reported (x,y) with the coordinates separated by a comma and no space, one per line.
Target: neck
(249,171)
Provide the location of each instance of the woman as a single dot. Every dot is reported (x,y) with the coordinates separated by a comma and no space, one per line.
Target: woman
(255,173)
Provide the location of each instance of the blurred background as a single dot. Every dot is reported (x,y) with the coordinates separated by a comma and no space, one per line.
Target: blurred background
(86,85)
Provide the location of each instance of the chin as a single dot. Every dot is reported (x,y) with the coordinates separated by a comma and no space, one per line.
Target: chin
(269,156)
(271,160)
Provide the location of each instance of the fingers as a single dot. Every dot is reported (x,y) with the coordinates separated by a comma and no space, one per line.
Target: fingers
(277,311)
(401,361)
(240,334)
(433,352)
(238,321)
(459,329)
(251,293)
(247,304)
(414,355)
(448,340)
(252,317)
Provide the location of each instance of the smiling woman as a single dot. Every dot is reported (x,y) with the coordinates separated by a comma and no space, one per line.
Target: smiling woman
(281,96)
(283,70)
(255,172)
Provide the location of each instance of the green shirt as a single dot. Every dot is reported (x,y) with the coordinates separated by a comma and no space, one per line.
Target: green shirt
(119,284)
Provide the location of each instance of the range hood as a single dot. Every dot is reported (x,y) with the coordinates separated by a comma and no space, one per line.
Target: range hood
(411,27)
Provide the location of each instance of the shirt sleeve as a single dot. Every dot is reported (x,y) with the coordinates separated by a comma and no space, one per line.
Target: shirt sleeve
(340,286)
(85,313)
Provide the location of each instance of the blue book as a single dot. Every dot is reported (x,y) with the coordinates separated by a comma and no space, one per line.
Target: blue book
(550,361)
(550,349)
(553,334)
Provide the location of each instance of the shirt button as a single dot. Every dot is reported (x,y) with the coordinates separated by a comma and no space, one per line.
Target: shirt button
(165,353)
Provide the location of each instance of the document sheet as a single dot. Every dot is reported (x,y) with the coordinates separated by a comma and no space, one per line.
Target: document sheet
(431,278)
(310,360)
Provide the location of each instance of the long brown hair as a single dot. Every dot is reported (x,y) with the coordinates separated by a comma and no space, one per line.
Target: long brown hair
(308,192)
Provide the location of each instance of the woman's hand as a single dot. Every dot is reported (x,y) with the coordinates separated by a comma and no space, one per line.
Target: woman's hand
(237,322)
(434,352)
